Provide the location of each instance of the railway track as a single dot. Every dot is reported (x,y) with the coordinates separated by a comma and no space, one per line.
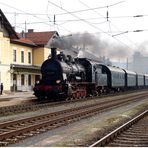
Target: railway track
(16,130)
(133,133)
(15,109)
(10,110)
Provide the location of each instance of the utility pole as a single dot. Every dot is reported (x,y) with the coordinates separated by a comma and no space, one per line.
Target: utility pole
(127,63)
(25,29)
(107,14)
(15,14)
(54,19)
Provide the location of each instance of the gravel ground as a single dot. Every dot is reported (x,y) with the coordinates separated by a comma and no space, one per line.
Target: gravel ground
(85,131)
(16,98)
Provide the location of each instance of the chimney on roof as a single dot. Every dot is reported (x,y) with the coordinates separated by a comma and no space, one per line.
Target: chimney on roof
(23,34)
(30,30)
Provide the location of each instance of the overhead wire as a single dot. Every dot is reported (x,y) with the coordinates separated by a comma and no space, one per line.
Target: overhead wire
(109,24)
(108,20)
(78,19)
(89,9)
(119,31)
(26,13)
(74,20)
(88,23)
(102,17)
(22,11)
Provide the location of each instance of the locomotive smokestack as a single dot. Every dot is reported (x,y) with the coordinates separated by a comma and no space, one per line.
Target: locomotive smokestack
(54,53)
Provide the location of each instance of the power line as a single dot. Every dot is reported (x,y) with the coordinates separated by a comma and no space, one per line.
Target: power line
(108,20)
(86,22)
(119,31)
(73,20)
(107,17)
(102,17)
(78,19)
(89,9)
(26,13)
(34,15)
(22,11)
(78,11)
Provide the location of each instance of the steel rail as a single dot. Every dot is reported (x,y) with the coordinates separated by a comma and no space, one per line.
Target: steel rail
(55,119)
(101,104)
(120,129)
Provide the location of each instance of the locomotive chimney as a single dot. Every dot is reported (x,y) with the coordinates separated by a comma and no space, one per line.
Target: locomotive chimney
(53,46)
(54,53)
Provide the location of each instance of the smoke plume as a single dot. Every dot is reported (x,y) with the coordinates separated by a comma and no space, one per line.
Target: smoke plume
(94,45)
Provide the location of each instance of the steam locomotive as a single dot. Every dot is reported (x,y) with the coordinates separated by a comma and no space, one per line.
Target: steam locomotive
(66,78)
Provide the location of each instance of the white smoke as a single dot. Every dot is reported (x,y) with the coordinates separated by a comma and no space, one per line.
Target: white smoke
(92,44)
(84,45)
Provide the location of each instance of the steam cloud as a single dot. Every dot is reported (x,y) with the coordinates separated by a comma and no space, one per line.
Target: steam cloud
(85,44)
(142,48)
(95,45)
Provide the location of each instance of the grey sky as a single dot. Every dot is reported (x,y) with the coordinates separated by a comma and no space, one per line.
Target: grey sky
(123,18)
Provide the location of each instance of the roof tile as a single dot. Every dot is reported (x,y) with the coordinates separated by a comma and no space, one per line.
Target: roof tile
(40,38)
(24,40)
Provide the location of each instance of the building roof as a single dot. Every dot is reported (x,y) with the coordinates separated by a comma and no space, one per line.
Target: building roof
(23,41)
(14,37)
(30,38)
(7,25)
(40,38)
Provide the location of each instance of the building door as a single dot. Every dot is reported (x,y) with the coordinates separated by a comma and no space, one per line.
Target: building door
(29,82)
(23,86)
(14,82)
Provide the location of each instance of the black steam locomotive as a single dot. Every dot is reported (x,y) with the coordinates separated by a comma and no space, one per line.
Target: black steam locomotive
(66,78)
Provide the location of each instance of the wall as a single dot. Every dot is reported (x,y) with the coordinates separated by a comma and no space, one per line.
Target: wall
(38,56)
(5,61)
(18,49)
(47,52)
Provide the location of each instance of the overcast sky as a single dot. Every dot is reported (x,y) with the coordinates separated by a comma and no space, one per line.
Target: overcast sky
(73,16)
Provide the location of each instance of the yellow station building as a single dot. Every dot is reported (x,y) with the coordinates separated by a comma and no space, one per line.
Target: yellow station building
(21,56)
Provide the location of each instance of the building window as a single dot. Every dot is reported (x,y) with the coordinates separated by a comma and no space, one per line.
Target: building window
(29,57)
(22,79)
(22,56)
(14,55)
(29,80)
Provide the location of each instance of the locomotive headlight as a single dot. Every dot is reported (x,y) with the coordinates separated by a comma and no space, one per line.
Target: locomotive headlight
(58,81)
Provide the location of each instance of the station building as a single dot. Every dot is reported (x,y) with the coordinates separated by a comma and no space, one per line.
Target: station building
(21,56)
